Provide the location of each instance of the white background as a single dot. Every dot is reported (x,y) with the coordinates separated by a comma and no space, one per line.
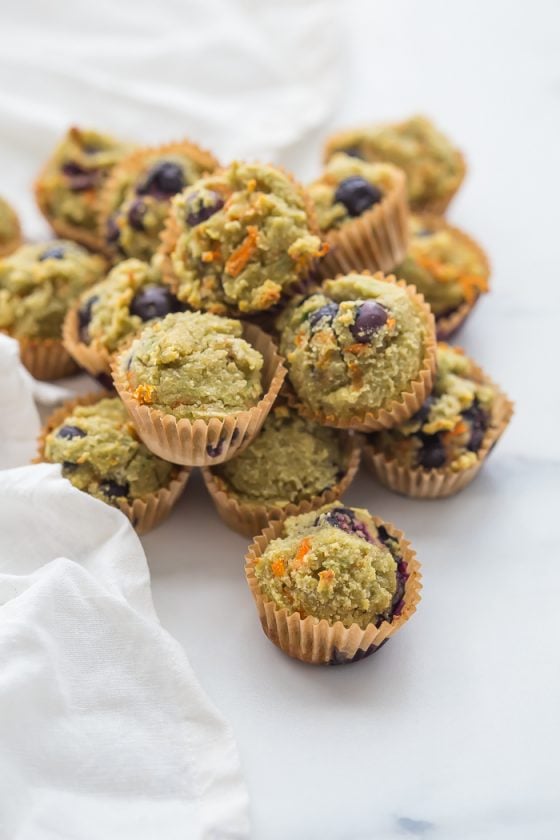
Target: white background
(451,731)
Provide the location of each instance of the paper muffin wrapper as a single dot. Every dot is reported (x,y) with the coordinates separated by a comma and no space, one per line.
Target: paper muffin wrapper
(319,642)
(439,483)
(133,163)
(92,357)
(205,442)
(172,231)
(376,241)
(250,519)
(398,410)
(44,358)
(146,513)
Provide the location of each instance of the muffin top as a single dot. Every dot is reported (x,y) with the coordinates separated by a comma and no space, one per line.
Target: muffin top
(69,186)
(136,199)
(449,428)
(101,454)
(238,239)
(194,365)
(443,264)
(433,166)
(9,226)
(131,294)
(292,459)
(334,563)
(349,187)
(353,346)
(38,283)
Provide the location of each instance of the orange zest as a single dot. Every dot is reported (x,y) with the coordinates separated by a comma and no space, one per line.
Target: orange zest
(278,568)
(303,548)
(241,256)
(144,394)
(357,348)
(473,285)
(210,256)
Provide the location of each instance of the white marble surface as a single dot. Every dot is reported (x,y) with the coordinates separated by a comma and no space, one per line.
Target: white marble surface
(451,732)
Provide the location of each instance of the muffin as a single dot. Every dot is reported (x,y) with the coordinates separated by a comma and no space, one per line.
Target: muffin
(100,453)
(38,283)
(10,230)
(434,167)
(198,387)
(239,239)
(112,310)
(136,198)
(447,267)
(362,212)
(360,351)
(441,448)
(68,188)
(332,585)
(291,467)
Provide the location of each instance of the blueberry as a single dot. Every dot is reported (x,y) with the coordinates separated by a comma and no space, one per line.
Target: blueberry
(325,314)
(213,450)
(370,317)
(54,253)
(478,420)
(432,452)
(397,601)
(201,205)
(112,231)
(424,411)
(84,317)
(154,302)
(357,195)
(69,466)
(163,180)
(346,520)
(353,151)
(69,432)
(136,214)
(112,488)
(80,178)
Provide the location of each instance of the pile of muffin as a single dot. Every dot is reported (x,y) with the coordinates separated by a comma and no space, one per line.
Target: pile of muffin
(271,334)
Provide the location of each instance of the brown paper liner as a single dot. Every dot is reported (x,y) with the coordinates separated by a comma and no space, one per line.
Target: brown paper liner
(399,410)
(318,642)
(376,241)
(172,231)
(250,519)
(144,514)
(204,442)
(439,483)
(133,163)
(93,358)
(44,358)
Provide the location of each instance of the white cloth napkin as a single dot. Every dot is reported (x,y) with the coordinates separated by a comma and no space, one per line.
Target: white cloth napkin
(104,730)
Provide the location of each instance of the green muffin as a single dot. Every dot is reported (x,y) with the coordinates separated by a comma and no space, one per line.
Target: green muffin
(10,232)
(434,167)
(333,564)
(102,455)
(38,284)
(354,346)
(194,365)
(239,239)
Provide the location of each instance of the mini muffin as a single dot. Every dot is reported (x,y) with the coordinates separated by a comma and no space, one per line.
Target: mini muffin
(447,267)
(293,466)
(434,167)
(136,198)
(360,351)
(38,283)
(68,188)
(332,585)
(239,239)
(441,448)
(112,310)
(10,230)
(196,388)
(362,211)
(101,454)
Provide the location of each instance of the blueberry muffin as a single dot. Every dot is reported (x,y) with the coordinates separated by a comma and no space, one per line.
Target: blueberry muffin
(434,167)
(38,283)
(69,186)
(333,584)
(238,240)
(10,231)
(355,347)
(448,268)
(136,199)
